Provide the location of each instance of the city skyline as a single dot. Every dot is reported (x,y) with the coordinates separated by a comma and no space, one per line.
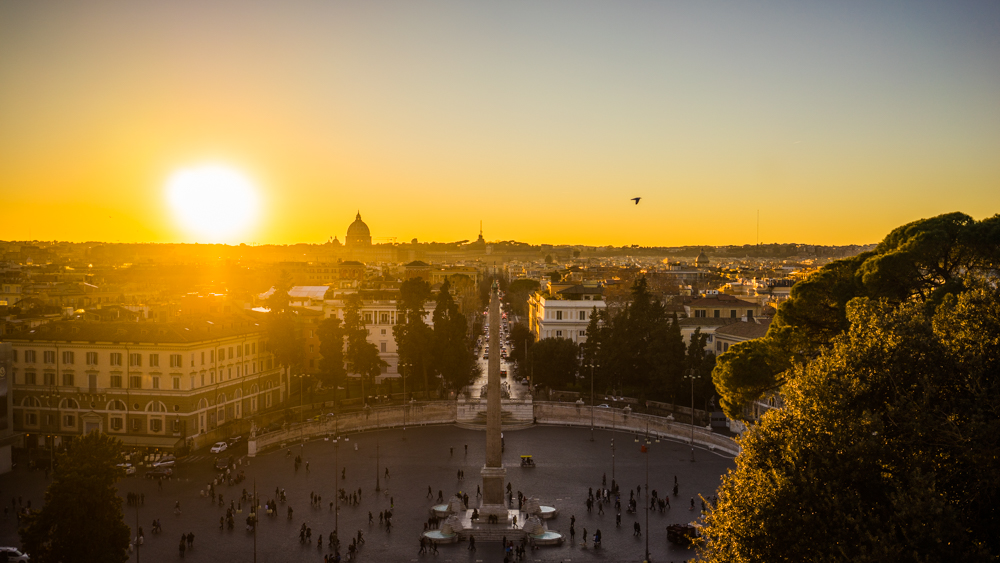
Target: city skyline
(838,123)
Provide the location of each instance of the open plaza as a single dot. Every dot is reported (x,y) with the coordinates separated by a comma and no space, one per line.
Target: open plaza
(567,464)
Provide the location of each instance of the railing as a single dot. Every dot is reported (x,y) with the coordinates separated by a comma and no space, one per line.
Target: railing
(620,419)
(446,412)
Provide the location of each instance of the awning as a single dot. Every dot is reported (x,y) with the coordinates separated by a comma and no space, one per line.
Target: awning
(166,442)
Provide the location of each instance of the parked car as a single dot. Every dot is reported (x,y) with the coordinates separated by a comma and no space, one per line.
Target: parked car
(12,554)
(234,440)
(129,470)
(604,406)
(503,373)
(159,473)
(221,463)
(165,461)
(219,447)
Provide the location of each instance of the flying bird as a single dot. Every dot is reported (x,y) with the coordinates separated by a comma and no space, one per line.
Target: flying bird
(636,200)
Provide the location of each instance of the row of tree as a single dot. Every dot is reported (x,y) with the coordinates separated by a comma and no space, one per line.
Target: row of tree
(637,350)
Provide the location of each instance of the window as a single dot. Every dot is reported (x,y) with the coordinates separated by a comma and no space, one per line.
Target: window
(559,315)
(749,313)
(135,360)
(383,318)
(718,346)
(582,333)
(135,381)
(156,425)
(732,314)
(231,356)
(116,381)
(311,348)
(68,358)
(202,358)
(211,377)
(253,348)
(29,378)
(383,332)
(583,315)
(29,357)
(69,420)
(177,382)
(175,360)
(211,355)
(246,347)
(559,333)
(156,382)
(699,313)
(13,355)
(50,378)
(382,346)
(116,358)
(31,419)
(717,313)
(368,318)
(725,347)
(239,351)
(116,423)
(135,425)
(68,379)
(91,358)
(49,357)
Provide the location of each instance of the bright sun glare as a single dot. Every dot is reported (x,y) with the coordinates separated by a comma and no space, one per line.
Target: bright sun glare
(214,203)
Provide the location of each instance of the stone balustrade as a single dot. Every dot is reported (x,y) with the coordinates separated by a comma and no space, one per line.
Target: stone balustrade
(447,412)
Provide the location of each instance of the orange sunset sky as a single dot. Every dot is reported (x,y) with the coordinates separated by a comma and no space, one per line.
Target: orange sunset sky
(837,121)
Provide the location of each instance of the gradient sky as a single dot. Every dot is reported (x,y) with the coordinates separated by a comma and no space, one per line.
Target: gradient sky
(837,120)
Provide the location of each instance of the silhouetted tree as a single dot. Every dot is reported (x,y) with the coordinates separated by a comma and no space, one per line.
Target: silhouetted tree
(362,356)
(82,518)
(414,337)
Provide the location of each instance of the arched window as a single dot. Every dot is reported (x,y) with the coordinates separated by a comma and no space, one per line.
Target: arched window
(31,402)
(155,406)
(69,404)
(203,404)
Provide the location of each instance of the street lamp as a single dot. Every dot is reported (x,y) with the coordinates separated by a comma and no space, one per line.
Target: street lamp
(692,375)
(645,450)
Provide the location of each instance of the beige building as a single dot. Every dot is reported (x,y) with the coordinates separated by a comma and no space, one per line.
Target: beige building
(151,384)
(564,311)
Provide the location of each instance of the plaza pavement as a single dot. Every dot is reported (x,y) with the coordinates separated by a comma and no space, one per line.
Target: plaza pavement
(567,464)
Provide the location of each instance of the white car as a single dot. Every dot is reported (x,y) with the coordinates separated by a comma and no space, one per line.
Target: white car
(219,447)
(12,554)
(165,461)
(129,470)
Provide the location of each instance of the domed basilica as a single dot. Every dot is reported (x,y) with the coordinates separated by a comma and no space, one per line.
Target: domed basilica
(358,235)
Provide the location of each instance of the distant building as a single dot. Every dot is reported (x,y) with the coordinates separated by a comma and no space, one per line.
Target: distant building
(358,235)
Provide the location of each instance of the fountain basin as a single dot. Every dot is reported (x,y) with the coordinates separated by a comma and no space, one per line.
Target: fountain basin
(440,510)
(547,512)
(437,536)
(547,538)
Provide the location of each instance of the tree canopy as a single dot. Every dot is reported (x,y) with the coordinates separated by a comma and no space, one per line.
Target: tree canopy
(331,334)
(414,337)
(887,447)
(362,356)
(82,518)
(452,354)
(919,262)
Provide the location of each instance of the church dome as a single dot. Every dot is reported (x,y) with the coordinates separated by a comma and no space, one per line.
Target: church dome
(358,233)
(702,259)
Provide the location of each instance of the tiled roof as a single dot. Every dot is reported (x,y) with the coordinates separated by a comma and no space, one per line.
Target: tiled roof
(707,321)
(178,332)
(745,330)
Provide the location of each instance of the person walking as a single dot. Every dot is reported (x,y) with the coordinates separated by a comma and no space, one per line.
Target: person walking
(472,544)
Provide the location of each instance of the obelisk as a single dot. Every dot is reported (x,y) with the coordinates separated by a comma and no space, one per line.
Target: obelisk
(493,471)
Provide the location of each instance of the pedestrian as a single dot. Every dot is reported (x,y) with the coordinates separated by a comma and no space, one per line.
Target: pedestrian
(572,533)
(585,537)
(386,472)
(618,520)
(600,508)
(472,542)
(636,529)
(423,545)
(692,504)
(190,539)
(430,492)
(177,506)
(371,519)
(467,449)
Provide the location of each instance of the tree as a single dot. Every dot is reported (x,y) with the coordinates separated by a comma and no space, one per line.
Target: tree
(414,338)
(919,262)
(887,447)
(521,340)
(548,259)
(331,347)
(362,356)
(517,295)
(453,356)
(555,361)
(82,518)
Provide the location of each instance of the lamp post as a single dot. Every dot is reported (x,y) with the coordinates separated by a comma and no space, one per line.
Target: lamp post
(378,486)
(591,401)
(692,375)
(645,450)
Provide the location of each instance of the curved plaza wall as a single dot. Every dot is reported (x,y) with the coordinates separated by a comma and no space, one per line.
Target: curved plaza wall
(448,412)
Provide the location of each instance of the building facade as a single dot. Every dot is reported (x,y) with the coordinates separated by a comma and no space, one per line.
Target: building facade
(150,384)
(564,311)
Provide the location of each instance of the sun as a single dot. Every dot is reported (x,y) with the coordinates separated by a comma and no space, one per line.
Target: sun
(214,203)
